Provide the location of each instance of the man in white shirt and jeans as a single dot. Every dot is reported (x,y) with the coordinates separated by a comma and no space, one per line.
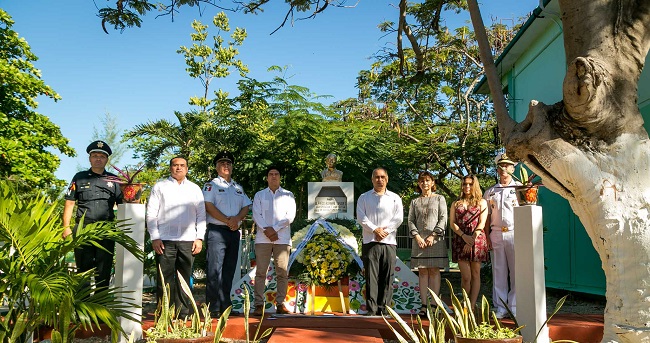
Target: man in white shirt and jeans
(176,224)
(380,212)
(274,209)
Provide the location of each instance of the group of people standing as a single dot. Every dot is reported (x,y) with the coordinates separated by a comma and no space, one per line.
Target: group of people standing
(481,222)
(181,216)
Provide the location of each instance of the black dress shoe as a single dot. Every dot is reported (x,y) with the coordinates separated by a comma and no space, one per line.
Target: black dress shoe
(215,314)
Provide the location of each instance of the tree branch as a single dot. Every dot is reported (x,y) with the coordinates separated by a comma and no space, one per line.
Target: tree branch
(506,123)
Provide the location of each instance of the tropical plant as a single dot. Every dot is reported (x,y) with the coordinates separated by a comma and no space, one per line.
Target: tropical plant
(247,309)
(207,59)
(434,334)
(168,325)
(124,175)
(463,322)
(525,178)
(36,283)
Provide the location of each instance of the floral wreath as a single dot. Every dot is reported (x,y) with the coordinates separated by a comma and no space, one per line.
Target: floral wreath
(324,260)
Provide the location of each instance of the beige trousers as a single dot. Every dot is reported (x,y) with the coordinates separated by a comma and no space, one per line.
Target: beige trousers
(263,253)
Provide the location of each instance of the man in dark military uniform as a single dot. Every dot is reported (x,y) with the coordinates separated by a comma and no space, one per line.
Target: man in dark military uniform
(95,198)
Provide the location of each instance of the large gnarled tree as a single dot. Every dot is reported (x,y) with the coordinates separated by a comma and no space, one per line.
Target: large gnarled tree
(592,149)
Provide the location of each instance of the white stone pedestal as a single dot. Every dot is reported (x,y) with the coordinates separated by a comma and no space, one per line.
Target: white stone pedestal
(529,272)
(128,270)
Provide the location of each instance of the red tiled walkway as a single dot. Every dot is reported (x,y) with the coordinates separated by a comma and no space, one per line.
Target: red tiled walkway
(579,328)
(331,335)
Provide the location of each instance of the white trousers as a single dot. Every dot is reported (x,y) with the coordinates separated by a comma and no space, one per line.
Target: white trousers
(503,265)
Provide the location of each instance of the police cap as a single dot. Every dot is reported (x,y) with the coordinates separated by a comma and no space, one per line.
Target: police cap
(99,146)
(223,156)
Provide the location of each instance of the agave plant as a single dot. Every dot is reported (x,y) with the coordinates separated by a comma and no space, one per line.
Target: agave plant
(36,283)
(462,321)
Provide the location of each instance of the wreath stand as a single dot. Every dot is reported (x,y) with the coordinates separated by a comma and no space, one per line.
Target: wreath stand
(313,298)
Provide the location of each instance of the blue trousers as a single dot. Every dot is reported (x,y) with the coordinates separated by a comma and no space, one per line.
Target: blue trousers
(222,250)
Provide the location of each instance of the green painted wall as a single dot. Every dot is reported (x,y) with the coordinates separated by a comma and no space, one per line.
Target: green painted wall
(528,83)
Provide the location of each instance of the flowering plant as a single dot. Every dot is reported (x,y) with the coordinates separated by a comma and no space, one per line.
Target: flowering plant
(527,180)
(131,191)
(125,177)
(527,192)
(324,260)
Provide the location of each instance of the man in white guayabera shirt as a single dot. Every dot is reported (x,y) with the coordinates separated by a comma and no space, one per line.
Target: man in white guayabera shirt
(380,212)
(274,209)
(176,224)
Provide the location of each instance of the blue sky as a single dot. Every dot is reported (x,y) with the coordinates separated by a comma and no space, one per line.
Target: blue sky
(137,76)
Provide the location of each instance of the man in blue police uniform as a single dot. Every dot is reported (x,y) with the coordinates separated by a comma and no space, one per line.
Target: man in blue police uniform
(95,198)
(226,205)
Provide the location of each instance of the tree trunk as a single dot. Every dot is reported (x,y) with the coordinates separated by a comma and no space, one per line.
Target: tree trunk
(592,149)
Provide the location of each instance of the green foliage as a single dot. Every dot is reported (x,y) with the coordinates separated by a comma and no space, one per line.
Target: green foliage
(208,62)
(434,334)
(247,309)
(271,122)
(196,133)
(36,282)
(463,322)
(126,14)
(168,325)
(426,93)
(27,139)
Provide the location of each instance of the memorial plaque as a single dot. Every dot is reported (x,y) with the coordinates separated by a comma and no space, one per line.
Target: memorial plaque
(331,200)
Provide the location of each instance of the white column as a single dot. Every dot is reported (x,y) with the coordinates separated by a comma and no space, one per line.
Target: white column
(128,270)
(529,272)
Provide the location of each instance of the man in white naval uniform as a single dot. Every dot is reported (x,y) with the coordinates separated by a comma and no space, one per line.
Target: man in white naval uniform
(502,199)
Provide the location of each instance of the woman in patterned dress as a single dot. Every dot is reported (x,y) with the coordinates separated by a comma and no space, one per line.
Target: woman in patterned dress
(427,220)
(469,246)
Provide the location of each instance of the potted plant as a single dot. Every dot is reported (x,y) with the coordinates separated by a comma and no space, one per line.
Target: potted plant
(464,325)
(169,328)
(131,190)
(527,192)
(466,328)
